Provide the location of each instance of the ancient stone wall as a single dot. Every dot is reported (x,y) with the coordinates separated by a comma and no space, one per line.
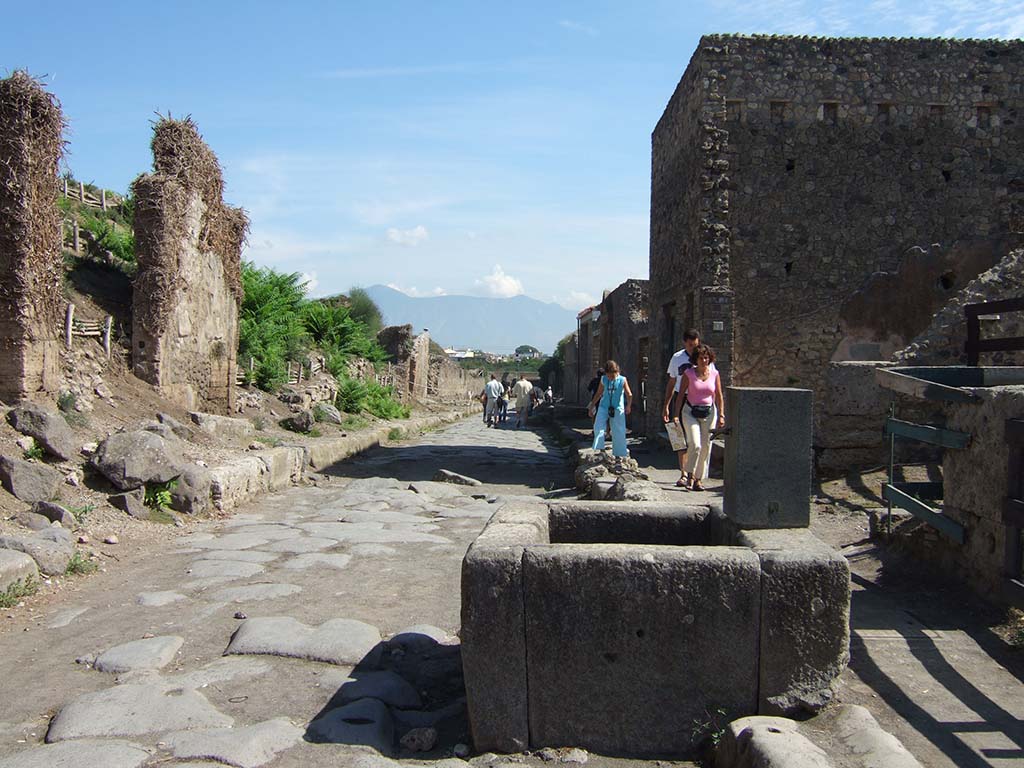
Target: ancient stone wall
(411,357)
(827,168)
(449,381)
(570,376)
(187,290)
(624,335)
(31,267)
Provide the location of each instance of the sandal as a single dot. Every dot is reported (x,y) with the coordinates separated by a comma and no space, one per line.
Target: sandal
(697,486)
(681,482)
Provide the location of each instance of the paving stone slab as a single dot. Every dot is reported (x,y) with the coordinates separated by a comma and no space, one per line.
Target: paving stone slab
(76,754)
(63,618)
(387,686)
(158,599)
(435,490)
(315,559)
(232,569)
(230,541)
(367,722)
(221,671)
(247,747)
(372,550)
(268,531)
(242,555)
(370,484)
(133,710)
(253,592)
(151,653)
(384,517)
(16,566)
(366,533)
(337,641)
(302,545)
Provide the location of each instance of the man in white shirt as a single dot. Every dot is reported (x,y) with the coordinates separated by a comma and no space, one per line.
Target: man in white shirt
(680,362)
(494,391)
(521,392)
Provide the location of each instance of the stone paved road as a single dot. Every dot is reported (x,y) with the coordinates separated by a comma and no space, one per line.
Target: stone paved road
(229,645)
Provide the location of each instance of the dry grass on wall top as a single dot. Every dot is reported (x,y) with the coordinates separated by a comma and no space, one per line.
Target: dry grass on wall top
(181,156)
(31,146)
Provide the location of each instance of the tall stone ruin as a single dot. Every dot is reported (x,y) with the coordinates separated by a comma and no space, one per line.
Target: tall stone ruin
(31,146)
(188,288)
(411,356)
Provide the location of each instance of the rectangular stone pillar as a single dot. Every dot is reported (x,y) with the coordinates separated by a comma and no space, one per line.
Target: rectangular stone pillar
(768,457)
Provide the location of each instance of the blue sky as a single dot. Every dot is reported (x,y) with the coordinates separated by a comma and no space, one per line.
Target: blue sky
(445,147)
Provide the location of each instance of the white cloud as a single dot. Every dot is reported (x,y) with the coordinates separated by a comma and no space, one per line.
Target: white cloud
(576,26)
(577,300)
(409,237)
(500,285)
(309,278)
(416,293)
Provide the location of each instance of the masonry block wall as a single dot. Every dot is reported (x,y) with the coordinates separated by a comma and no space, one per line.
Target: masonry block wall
(623,338)
(799,184)
(449,381)
(31,267)
(411,357)
(187,290)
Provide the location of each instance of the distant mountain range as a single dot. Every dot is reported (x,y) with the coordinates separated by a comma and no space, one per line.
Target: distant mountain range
(493,325)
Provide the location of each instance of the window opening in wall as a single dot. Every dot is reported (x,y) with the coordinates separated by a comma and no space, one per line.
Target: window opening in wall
(779,111)
(947,280)
(937,113)
(947,175)
(789,267)
(790,165)
(984,116)
(830,112)
(733,110)
(883,112)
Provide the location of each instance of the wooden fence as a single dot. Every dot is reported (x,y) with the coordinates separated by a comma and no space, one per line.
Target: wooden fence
(100,329)
(76,190)
(297,372)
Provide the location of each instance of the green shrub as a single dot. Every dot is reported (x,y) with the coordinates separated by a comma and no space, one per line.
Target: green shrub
(158,495)
(35,452)
(351,396)
(270,324)
(353,422)
(365,310)
(395,434)
(19,589)
(380,401)
(80,565)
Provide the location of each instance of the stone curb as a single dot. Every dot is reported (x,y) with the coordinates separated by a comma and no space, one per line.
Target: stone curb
(247,476)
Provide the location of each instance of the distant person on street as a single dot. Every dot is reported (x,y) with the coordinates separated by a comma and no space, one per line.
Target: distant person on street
(702,408)
(493,391)
(611,404)
(680,362)
(549,395)
(522,391)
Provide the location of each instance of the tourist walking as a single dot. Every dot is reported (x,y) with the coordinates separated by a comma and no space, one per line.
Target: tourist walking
(680,362)
(493,391)
(609,408)
(522,391)
(702,408)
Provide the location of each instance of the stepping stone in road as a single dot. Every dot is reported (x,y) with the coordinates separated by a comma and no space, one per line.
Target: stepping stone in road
(367,721)
(338,641)
(312,559)
(151,653)
(251,592)
(420,638)
(75,754)
(133,710)
(158,599)
(248,747)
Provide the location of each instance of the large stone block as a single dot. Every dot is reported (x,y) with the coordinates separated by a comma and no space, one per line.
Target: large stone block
(494,638)
(805,619)
(629,644)
(768,457)
(14,567)
(585,522)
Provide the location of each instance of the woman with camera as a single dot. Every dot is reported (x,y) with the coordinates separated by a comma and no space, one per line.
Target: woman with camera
(611,403)
(702,409)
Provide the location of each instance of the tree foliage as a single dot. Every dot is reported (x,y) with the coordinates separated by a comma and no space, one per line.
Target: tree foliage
(365,310)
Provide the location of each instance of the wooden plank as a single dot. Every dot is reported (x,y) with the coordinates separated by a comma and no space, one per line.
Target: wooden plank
(922,511)
(923,433)
(921,490)
(1013,512)
(1004,344)
(896,380)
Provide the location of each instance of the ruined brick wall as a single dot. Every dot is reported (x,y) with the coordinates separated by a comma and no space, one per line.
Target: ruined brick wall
(571,377)
(31,266)
(451,382)
(411,357)
(834,165)
(624,324)
(187,290)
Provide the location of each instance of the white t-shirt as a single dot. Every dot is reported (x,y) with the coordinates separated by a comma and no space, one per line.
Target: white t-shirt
(494,389)
(682,357)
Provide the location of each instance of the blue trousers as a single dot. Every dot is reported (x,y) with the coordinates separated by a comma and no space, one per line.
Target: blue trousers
(618,427)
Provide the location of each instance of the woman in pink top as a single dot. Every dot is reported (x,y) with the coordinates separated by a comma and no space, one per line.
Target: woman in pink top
(701,391)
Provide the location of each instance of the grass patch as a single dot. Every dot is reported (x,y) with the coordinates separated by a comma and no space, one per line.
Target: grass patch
(80,565)
(79,513)
(18,590)
(270,440)
(396,434)
(354,422)
(162,516)
(35,452)
(158,495)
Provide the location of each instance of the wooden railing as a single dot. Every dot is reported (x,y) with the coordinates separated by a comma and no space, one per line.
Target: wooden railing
(76,191)
(975,344)
(296,371)
(99,329)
